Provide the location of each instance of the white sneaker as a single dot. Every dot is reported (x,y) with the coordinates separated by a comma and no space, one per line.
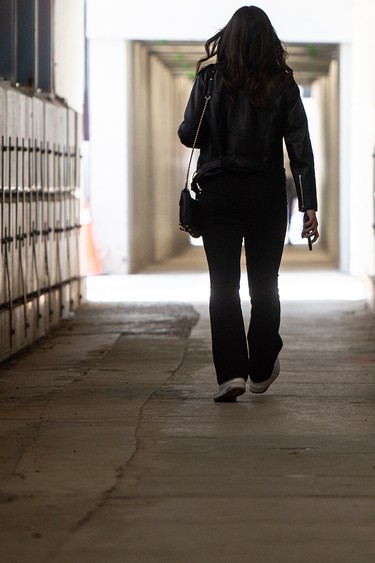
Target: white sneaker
(230,390)
(262,386)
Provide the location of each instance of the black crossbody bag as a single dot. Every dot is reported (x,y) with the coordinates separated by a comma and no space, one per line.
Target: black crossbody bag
(189,206)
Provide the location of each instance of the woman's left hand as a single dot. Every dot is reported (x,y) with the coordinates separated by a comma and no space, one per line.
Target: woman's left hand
(310,226)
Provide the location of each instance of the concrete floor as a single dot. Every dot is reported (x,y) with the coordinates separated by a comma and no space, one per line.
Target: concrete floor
(112,450)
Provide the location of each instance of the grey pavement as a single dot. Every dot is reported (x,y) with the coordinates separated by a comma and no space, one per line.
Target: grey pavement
(112,450)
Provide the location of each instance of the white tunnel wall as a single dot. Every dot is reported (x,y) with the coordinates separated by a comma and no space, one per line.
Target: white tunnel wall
(156,162)
(135,161)
(328,170)
(362,142)
(165,204)
(107,154)
(140,212)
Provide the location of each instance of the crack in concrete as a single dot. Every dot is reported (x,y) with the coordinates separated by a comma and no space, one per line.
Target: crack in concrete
(26,447)
(107,495)
(120,471)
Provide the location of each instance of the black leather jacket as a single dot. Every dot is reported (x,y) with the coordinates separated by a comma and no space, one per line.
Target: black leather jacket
(236,135)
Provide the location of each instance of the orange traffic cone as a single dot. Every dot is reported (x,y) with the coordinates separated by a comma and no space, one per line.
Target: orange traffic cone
(88,257)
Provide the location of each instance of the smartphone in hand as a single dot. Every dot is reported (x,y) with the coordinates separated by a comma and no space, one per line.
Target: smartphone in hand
(306,218)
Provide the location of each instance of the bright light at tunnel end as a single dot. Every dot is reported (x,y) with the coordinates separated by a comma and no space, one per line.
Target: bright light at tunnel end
(194,287)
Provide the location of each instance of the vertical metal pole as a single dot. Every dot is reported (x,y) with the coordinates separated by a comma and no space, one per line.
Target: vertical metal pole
(63,187)
(29,187)
(59,229)
(60,187)
(23,284)
(3,149)
(21,232)
(47,268)
(9,287)
(42,183)
(59,272)
(36,187)
(48,186)
(23,193)
(23,235)
(54,218)
(36,270)
(8,246)
(47,228)
(10,150)
(67,219)
(77,181)
(17,149)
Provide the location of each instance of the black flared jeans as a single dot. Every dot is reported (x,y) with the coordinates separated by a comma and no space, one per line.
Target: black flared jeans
(248,209)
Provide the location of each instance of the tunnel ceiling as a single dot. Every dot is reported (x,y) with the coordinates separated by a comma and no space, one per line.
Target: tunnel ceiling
(309,61)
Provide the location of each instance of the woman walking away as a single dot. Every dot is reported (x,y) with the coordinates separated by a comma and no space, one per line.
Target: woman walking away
(255,104)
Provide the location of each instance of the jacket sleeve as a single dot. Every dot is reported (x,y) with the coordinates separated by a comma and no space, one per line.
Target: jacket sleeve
(298,145)
(193,111)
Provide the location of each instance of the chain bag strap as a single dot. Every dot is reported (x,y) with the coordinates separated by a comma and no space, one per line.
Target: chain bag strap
(207,99)
(189,211)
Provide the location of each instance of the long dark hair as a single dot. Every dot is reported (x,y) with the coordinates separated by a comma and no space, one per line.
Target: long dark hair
(250,55)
